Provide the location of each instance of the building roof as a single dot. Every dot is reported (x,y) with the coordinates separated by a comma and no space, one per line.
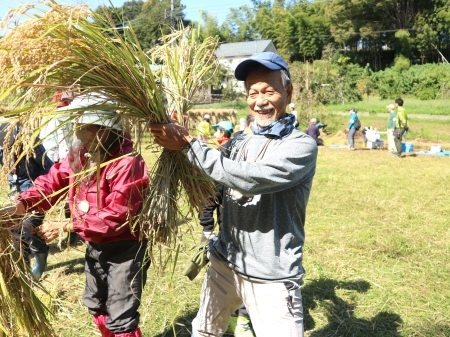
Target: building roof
(244,48)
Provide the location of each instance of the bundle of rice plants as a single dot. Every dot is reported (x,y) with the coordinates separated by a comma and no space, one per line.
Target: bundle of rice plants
(21,312)
(100,59)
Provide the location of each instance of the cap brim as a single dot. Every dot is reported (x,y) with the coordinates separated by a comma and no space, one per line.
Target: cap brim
(242,69)
(100,118)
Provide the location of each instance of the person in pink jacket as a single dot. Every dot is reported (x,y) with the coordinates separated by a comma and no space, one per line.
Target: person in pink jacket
(103,202)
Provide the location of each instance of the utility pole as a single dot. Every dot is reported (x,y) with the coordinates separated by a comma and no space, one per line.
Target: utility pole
(172,17)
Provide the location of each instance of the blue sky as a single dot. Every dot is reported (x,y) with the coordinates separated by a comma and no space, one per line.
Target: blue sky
(220,9)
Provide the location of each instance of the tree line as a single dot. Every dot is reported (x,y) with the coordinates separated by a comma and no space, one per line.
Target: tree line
(339,50)
(373,32)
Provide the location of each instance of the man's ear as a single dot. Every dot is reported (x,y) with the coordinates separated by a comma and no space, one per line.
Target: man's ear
(289,91)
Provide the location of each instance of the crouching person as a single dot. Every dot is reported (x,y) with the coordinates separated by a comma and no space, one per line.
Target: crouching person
(103,202)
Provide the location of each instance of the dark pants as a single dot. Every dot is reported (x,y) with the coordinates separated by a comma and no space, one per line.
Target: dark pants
(207,216)
(398,135)
(116,273)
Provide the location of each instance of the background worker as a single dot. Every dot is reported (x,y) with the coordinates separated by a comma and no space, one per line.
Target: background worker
(223,131)
(24,170)
(401,126)
(204,129)
(294,112)
(207,215)
(352,128)
(314,132)
(391,127)
(102,211)
(257,257)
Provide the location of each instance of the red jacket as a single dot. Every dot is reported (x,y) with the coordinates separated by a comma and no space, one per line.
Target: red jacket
(119,194)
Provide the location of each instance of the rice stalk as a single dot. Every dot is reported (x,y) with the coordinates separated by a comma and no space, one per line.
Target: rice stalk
(21,311)
(61,48)
(98,59)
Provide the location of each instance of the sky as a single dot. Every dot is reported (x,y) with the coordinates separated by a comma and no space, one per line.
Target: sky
(220,9)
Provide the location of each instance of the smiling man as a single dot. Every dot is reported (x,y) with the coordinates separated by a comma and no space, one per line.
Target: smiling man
(257,257)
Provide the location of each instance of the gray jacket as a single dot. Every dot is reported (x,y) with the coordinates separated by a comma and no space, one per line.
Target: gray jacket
(267,185)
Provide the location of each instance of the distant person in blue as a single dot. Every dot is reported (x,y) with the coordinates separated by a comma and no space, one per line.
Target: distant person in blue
(352,128)
(314,132)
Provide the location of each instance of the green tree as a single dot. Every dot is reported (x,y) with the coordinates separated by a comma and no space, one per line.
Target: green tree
(150,19)
(154,20)
(239,25)
(127,12)
(271,22)
(308,30)
(210,27)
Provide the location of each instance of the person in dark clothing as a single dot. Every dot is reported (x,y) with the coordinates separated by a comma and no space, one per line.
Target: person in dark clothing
(314,132)
(206,217)
(24,170)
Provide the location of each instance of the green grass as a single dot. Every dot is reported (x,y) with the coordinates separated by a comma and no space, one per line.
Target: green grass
(370,104)
(433,130)
(412,105)
(376,255)
(421,129)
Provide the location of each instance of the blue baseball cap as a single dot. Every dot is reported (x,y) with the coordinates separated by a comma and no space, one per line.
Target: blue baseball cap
(225,125)
(269,60)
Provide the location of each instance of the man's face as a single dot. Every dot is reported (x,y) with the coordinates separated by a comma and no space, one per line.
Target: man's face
(267,97)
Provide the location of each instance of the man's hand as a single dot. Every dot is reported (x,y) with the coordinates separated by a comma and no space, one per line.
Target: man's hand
(172,136)
(49,231)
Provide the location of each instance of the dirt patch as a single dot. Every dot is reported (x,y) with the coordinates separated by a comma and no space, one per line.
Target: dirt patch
(338,138)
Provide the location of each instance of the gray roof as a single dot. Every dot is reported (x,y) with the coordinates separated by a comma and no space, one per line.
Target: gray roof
(245,48)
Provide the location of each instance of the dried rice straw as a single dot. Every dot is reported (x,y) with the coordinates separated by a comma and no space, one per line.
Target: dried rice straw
(21,311)
(99,59)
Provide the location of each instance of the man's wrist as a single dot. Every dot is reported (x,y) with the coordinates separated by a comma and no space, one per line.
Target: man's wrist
(188,140)
(187,147)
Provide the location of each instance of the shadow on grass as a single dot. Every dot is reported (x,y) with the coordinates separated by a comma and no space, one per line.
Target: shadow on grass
(340,313)
(71,266)
(75,265)
(182,326)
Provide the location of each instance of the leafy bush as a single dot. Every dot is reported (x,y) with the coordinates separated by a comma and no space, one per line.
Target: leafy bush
(426,81)
(336,81)
(426,93)
(401,63)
